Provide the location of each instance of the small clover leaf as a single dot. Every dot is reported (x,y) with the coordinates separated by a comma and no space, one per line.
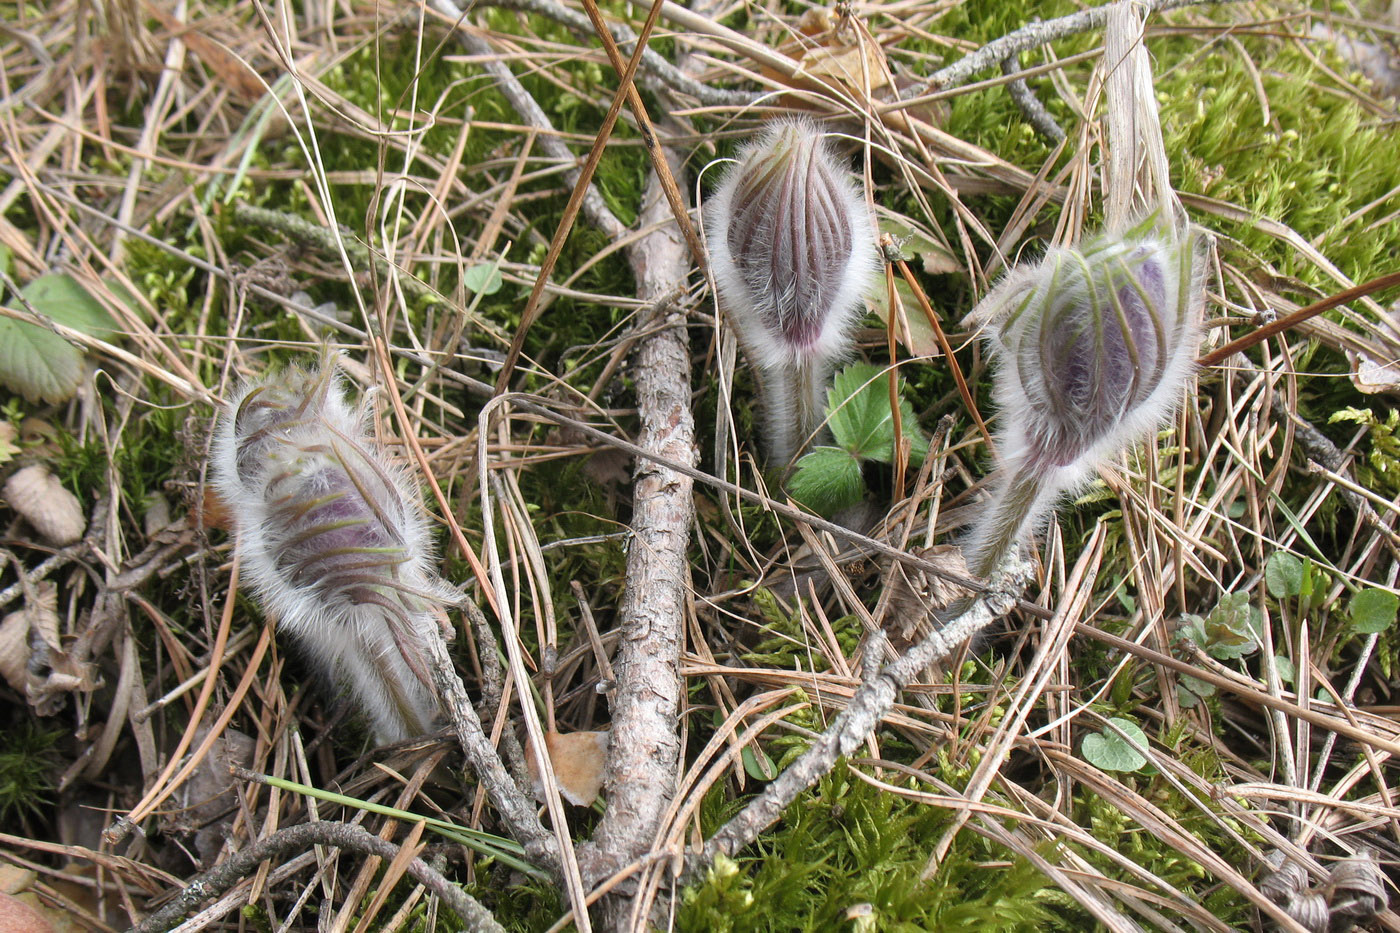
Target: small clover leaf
(1109,751)
(1373,611)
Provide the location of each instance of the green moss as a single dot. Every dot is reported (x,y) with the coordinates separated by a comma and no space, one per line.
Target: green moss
(1318,157)
(28,761)
(847,851)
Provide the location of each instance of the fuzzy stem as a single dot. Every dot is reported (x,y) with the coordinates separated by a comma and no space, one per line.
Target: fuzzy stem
(1019,504)
(776,391)
(813,377)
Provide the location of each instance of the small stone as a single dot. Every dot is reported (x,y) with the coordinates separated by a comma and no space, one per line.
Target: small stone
(18,917)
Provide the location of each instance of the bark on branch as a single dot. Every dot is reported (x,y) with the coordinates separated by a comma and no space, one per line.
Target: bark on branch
(644,753)
(867,708)
(297,839)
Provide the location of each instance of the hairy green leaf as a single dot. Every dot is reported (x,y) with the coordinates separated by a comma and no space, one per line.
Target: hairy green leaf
(827,480)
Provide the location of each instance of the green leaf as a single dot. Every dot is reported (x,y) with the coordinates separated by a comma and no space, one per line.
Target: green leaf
(1196,686)
(1373,611)
(1232,629)
(859,407)
(1284,575)
(1109,751)
(1286,671)
(484,279)
(757,763)
(36,362)
(827,480)
(68,303)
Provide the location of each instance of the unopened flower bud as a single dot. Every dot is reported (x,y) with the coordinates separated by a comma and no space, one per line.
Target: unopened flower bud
(333,541)
(792,251)
(1093,346)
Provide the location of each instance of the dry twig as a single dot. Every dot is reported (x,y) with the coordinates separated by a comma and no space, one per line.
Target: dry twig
(298,839)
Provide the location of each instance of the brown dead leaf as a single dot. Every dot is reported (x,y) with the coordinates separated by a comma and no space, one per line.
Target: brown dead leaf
(1373,376)
(20,916)
(14,649)
(33,659)
(53,511)
(43,615)
(207,800)
(578,760)
(915,595)
(836,51)
(14,879)
(851,66)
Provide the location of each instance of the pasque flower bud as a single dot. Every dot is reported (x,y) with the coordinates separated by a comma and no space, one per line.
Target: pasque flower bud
(792,250)
(333,541)
(1094,344)
(1093,347)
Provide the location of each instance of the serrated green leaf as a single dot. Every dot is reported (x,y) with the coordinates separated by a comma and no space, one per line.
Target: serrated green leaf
(860,419)
(483,279)
(1373,611)
(61,297)
(36,362)
(827,480)
(1283,575)
(1193,629)
(1109,751)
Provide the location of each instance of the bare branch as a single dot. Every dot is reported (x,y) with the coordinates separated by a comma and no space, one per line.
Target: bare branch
(1030,36)
(644,753)
(867,708)
(297,839)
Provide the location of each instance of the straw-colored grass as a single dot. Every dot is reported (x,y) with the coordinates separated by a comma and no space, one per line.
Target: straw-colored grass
(240,184)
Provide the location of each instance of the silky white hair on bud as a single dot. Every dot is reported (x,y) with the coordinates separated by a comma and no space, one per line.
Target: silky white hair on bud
(333,541)
(792,250)
(1093,348)
(1093,344)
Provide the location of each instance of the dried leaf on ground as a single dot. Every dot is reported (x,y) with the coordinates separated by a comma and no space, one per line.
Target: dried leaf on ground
(52,510)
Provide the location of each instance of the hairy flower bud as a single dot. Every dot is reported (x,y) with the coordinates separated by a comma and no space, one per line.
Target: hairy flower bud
(1093,346)
(792,251)
(333,541)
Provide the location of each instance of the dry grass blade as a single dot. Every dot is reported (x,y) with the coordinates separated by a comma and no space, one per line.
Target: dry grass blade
(1191,704)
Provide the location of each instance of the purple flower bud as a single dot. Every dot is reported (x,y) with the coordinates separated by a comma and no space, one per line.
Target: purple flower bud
(1093,347)
(333,541)
(792,251)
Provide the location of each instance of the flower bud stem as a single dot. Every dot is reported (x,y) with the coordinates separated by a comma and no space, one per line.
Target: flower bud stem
(1022,502)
